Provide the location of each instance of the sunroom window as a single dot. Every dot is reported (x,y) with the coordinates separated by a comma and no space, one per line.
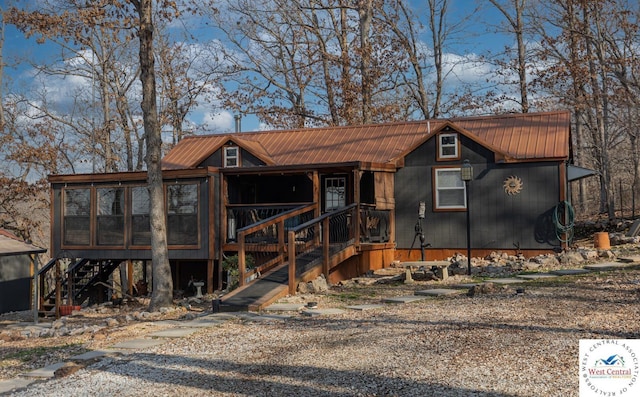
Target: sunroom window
(140,221)
(77,216)
(448,146)
(449,189)
(110,221)
(182,217)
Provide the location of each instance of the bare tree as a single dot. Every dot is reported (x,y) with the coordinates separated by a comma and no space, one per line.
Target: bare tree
(97,49)
(513,11)
(590,67)
(103,22)
(365,12)
(315,62)
(187,75)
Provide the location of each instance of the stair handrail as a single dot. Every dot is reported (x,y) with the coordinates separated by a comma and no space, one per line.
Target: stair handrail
(277,219)
(48,266)
(324,218)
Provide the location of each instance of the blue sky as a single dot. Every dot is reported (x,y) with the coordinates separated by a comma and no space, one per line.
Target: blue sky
(473,40)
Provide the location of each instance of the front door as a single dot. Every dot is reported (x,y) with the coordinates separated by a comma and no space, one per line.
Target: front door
(335,192)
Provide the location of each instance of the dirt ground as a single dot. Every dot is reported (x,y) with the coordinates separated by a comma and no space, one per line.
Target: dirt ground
(105,325)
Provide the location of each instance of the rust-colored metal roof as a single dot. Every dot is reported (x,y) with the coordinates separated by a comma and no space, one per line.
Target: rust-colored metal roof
(515,137)
(530,136)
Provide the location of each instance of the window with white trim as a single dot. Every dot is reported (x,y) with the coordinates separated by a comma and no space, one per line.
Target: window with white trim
(449,189)
(448,146)
(231,156)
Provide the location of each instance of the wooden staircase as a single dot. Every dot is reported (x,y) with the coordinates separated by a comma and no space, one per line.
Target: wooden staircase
(79,282)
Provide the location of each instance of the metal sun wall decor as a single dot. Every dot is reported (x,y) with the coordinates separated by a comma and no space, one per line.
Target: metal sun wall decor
(512,185)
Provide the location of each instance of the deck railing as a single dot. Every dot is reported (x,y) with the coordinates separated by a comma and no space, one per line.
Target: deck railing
(375,225)
(240,216)
(289,234)
(266,241)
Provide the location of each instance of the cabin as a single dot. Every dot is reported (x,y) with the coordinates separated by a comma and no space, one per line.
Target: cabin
(18,262)
(287,206)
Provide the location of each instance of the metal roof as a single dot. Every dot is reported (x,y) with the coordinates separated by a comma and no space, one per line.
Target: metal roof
(11,245)
(515,137)
(529,136)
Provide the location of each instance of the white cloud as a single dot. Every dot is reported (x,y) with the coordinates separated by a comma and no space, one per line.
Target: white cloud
(217,122)
(467,68)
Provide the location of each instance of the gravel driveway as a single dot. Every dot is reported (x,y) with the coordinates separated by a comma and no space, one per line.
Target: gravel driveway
(497,343)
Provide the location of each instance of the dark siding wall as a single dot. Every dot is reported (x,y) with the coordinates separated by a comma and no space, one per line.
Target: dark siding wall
(215,160)
(249,160)
(498,220)
(14,295)
(14,266)
(246,159)
(15,283)
(217,211)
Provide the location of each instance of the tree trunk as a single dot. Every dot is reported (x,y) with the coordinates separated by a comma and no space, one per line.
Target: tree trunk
(517,24)
(365,9)
(162,291)
(436,22)
(522,57)
(107,124)
(1,69)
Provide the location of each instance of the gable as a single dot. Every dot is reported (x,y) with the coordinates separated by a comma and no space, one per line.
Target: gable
(192,151)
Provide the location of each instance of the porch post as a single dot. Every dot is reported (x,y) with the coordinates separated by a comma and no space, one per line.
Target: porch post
(36,290)
(130,276)
(325,247)
(317,193)
(292,262)
(241,260)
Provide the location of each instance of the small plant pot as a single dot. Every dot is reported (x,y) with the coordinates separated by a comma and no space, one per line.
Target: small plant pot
(66,310)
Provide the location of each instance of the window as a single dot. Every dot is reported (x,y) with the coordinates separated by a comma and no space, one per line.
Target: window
(182,217)
(231,156)
(140,221)
(448,146)
(110,216)
(77,216)
(449,189)
(334,193)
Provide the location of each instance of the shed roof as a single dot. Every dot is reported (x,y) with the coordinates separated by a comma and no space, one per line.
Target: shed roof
(516,137)
(12,245)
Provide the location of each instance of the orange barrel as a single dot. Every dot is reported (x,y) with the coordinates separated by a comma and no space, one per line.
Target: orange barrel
(601,240)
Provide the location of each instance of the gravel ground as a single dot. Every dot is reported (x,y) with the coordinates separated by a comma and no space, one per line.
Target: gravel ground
(498,343)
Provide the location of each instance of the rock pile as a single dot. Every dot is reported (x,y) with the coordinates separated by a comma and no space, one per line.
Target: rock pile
(93,321)
(503,264)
